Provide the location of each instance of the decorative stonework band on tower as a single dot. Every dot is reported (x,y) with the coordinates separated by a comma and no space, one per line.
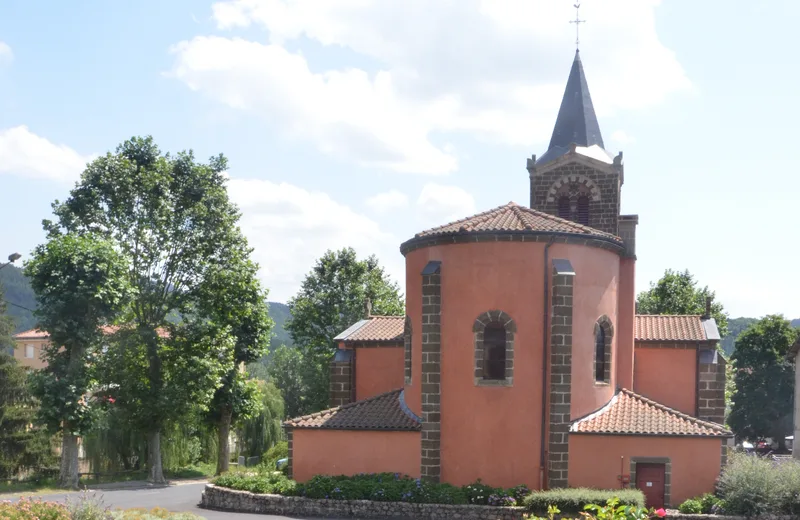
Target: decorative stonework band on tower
(560,373)
(430,461)
(481,322)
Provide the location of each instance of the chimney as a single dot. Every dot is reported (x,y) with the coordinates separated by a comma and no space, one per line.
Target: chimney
(707,314)
(368,307)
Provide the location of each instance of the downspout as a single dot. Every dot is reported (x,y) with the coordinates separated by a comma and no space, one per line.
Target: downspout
(697,382)
(545,342)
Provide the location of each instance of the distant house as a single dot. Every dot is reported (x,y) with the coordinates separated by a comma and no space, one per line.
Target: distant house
(521,359)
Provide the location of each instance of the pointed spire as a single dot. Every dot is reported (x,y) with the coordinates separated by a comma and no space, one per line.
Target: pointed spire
(576,122)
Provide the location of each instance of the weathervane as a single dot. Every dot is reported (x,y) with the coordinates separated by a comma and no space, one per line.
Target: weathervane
(577,21)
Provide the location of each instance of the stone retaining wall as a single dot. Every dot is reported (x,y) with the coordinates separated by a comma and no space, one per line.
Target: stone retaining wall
(245,502)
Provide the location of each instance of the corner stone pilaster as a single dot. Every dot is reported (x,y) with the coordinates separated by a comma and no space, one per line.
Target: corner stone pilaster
(289,464)
(341,385)
(560,373)
(430,457)
(711,390)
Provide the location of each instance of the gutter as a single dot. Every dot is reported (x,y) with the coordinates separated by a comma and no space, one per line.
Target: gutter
(545,342)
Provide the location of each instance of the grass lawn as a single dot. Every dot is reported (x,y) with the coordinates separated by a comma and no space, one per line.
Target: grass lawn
(46,486)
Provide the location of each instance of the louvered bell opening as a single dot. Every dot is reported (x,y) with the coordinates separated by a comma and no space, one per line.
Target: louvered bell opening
(563,207)
(583,210)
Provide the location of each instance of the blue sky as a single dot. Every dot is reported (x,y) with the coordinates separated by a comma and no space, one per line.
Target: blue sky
(361,122)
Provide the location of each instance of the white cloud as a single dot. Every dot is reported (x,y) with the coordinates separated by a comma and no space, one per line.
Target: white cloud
(5,53)
(290,228)
(387,201)
(26,154)
(486,67)
(622,138)
(438,204)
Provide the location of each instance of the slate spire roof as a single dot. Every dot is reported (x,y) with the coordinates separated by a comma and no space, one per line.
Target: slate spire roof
(576,121)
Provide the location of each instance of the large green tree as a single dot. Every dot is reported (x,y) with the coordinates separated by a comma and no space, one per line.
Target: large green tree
(171,218)
(762,400)
(23,445)
(332,297)
(80,286)
(231,297)
(677,292)
(260,431)
(6,325)
(301,378)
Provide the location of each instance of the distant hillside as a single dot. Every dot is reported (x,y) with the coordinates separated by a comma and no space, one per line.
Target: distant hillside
(18,291)
(736,326)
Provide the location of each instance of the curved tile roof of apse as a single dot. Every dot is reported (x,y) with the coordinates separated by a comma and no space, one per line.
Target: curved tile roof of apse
(512,218)
(386,412)
(674,328)
(629,413)
(375,329)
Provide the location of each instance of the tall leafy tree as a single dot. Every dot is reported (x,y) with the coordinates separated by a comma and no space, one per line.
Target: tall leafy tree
(6,325)
(677,292)
(762,400)
(301,378)
(231,297)
(333,297)
(23,445)
(80,286)
(171,218)
(262,430)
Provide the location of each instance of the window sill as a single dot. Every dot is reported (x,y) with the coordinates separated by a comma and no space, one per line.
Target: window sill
(494,382)
(601,383)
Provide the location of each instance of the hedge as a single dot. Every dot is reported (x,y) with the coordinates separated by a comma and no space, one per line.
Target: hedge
(573,500)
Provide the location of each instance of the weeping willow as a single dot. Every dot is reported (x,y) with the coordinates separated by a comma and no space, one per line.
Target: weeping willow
(260,432)
(113,446)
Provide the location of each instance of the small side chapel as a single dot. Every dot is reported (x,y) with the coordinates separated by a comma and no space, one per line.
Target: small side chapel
(521,359)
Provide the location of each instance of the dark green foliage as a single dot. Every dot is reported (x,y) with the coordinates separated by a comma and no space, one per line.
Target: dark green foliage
(381,487)
(301,378)
(574,500)
(18,290)
(279,451)
(22,447)
(708,502)
(752,486)
(762,401)
(6,325)
(691,507)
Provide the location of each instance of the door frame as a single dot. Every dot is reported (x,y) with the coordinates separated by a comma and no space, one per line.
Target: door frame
(667,474)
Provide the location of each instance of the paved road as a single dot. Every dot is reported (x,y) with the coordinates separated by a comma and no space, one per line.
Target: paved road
(178,498)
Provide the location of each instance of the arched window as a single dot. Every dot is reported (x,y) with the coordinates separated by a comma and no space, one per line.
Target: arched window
(600,354)
(564,207)
(583,210)
(603,340)
(494,352)
(494,349)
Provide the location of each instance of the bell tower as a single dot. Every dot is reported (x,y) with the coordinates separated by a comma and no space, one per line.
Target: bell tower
(576,178)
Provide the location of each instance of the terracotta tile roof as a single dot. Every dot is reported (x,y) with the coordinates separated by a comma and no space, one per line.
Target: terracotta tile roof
(631,414)
(107,329)
(515,218)
(669,328)
(382,412)
(375,329)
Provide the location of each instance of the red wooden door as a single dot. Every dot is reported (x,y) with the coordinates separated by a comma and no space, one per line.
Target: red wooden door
(650,478)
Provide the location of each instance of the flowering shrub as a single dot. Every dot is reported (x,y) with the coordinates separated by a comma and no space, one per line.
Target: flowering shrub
(613,510)
(575,500)
(27,509)
(266,482)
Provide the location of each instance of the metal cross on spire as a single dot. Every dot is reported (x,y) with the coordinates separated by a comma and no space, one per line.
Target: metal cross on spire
(577,21)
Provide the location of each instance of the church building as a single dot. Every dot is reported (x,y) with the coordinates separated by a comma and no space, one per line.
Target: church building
(521,359)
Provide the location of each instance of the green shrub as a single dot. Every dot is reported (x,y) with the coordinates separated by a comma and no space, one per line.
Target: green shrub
(574,500)
(265,482)
(752,486)
(27,509)
(708,502)
(691,507)
(277,452)
(88,507)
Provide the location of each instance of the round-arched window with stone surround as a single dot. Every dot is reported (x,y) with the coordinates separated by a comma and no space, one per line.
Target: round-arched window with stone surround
(407,331)
(493,333)
(603,339)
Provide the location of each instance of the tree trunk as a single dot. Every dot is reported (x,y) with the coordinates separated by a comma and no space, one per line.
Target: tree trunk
(156,471)
(68,474)
(224,435)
